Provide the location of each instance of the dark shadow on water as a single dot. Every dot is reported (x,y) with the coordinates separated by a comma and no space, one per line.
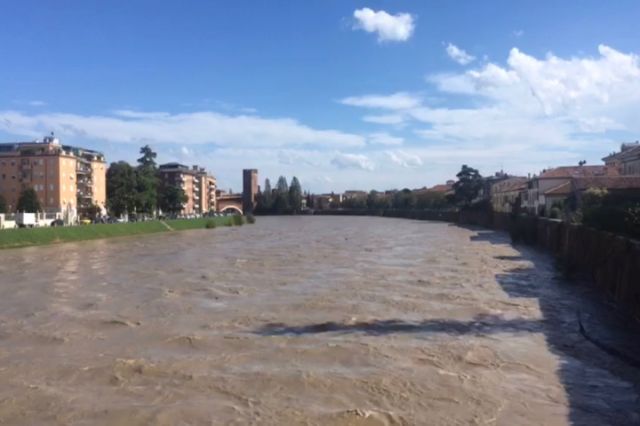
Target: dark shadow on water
(518,257)
(600,388)
(485,324)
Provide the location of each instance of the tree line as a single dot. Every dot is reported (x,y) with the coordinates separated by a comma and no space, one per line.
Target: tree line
(27,202)
(139,189)
(283,199)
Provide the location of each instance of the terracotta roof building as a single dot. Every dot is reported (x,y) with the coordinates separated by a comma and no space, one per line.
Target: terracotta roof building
(556,180)
(68,180)
(627,161)
(197,184)
(508,193)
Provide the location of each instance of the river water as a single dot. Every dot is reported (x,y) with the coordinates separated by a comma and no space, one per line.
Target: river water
(303,320)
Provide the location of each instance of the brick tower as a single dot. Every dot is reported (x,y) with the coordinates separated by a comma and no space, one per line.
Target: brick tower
(249,190)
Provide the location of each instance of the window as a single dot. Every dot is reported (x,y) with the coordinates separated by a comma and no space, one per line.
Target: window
(51,186)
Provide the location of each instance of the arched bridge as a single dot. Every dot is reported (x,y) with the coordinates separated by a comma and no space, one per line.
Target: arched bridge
(229,203)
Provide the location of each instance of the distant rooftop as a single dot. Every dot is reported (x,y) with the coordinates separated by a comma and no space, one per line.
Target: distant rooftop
(626,149)
(48,141)
(576,171)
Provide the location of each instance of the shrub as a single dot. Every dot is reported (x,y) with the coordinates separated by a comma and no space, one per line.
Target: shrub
(251,218)
(617,213)
(210,224)
(237,220)
(555,213)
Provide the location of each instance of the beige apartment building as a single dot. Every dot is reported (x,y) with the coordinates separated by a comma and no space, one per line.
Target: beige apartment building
(197,184)
(68,180)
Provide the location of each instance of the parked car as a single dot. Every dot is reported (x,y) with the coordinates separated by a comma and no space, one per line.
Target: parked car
(57,222)
(85,221)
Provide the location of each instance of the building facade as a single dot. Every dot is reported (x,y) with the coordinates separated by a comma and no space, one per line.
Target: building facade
(543,190)
(508,194)
(627,161)
(197,184)
(70,181)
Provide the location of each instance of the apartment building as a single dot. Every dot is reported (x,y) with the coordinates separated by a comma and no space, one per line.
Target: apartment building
(69,181)
(197,184)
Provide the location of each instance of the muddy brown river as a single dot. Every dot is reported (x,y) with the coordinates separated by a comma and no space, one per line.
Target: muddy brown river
(304,321)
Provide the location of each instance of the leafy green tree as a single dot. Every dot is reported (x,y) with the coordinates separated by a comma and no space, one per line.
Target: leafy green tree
(171,198)
(404,199)
(4,208)
(281,201)
(372,199)
(147,181)
(267,196)
(121,188)
(295,195)
(431,200)
(468,186)
(358,203)
(28,201)
(148,159)
(282,187)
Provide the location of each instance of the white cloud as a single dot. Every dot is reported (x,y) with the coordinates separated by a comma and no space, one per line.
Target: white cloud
(395,101)
(518,33)
(459,55)
(352,161)
(405,159)
(383,138)
(525,114)
(37,103)
(205,127)
(384,119)
(388,27)
(600,90)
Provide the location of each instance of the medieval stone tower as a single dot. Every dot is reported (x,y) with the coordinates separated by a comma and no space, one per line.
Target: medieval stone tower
(249,190)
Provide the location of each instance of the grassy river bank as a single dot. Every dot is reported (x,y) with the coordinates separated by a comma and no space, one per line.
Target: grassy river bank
(14,238)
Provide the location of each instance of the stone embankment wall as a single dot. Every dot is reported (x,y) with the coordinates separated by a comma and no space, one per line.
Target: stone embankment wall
(612,262)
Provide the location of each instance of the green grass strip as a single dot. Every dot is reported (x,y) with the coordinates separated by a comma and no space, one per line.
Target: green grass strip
(13,238)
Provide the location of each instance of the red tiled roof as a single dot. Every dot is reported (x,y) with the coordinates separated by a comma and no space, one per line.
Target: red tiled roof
(563,189)
(606,182)
(515,183)
(626,150)
(577,171)
(441,188)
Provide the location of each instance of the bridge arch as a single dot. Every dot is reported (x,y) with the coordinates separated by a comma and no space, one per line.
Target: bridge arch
(231,208)
(229,202)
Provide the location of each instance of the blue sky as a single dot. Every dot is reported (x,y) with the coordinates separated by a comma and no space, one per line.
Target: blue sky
(378,94)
